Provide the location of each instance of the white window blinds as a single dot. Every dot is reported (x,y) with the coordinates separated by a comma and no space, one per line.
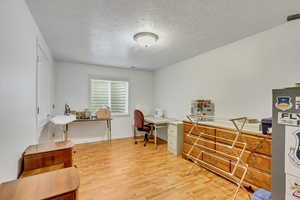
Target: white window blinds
(113,94)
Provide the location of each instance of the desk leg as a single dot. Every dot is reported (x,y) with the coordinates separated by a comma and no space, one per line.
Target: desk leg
(66,132)
(155,136)
(109,130)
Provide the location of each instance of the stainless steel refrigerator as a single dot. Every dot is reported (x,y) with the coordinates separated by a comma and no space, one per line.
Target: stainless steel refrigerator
(286,144)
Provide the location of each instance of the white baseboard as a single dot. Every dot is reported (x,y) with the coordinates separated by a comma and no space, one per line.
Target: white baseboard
(95,139)
(87,140)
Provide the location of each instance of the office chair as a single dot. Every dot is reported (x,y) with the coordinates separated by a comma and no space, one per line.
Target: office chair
(139,125)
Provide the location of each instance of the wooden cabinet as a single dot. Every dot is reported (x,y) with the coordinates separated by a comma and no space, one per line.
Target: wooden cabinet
(41,157)
(258,154)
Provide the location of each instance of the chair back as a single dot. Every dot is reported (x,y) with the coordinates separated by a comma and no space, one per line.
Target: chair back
(138,119)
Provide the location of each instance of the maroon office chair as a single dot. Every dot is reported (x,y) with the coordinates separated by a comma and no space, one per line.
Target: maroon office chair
(139,125)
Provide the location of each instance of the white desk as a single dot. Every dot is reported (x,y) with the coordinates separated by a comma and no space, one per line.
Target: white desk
(157,123)
(108,124)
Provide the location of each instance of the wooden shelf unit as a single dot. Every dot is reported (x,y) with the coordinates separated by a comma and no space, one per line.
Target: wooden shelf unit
(258,154)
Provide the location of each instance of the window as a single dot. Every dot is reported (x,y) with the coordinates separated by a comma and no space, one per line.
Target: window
(113,94)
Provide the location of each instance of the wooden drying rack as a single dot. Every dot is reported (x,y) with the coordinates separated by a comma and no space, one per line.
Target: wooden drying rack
(221,155)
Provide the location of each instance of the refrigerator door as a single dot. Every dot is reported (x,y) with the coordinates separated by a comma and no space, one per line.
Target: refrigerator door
(285,101)
(292,187)
(292,151)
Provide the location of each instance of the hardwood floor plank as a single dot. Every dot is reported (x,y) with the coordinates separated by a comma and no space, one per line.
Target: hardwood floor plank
(125,171)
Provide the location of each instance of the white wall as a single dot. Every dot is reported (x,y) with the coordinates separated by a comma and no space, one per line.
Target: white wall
(239,77)
(72,87)
(17,84)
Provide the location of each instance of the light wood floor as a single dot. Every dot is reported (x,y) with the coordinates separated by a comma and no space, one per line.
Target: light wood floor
(123,170)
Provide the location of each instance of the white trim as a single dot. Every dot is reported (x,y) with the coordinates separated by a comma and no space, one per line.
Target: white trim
(87,140)
(95,139)
(106,78)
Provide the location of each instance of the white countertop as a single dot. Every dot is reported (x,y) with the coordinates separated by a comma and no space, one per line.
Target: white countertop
(161,120)
(229,124)
(219,123)
(63,119)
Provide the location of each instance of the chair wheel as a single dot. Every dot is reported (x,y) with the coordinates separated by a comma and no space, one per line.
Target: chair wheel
(135,142)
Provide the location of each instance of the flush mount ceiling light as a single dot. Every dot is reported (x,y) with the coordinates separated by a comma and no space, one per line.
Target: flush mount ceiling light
(146,39)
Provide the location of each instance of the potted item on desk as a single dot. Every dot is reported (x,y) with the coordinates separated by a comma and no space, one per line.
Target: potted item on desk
(67,109)
(103,113)
(158,113)
(80,115)
(87,114)
(93,116)
(83,114)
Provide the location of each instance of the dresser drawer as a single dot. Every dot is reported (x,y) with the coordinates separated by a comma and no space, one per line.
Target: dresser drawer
(254,160)
(224,135)
(204,142)
(255,177)
(230,152)
(196,152)
(257,144)
(172,149)
(187,127)
(254,144)
(172,143)
(263,145)
(210,133)
(188,139)
(216,161)
(191,140)
(201,129)
(172,137)
(258,161)
(172,129)
(173,133)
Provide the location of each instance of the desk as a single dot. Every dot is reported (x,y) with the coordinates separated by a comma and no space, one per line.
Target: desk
(55,185)
(108,124)
(157,123)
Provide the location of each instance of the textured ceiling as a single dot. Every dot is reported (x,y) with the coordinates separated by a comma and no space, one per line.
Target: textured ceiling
(101,31)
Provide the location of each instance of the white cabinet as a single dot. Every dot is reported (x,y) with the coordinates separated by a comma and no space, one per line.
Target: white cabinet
(175,138)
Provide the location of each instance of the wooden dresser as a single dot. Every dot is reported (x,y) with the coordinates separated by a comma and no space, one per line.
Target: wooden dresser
(41,158)
(258,154)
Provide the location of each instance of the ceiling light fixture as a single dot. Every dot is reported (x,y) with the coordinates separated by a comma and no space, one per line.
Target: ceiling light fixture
(146,39)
